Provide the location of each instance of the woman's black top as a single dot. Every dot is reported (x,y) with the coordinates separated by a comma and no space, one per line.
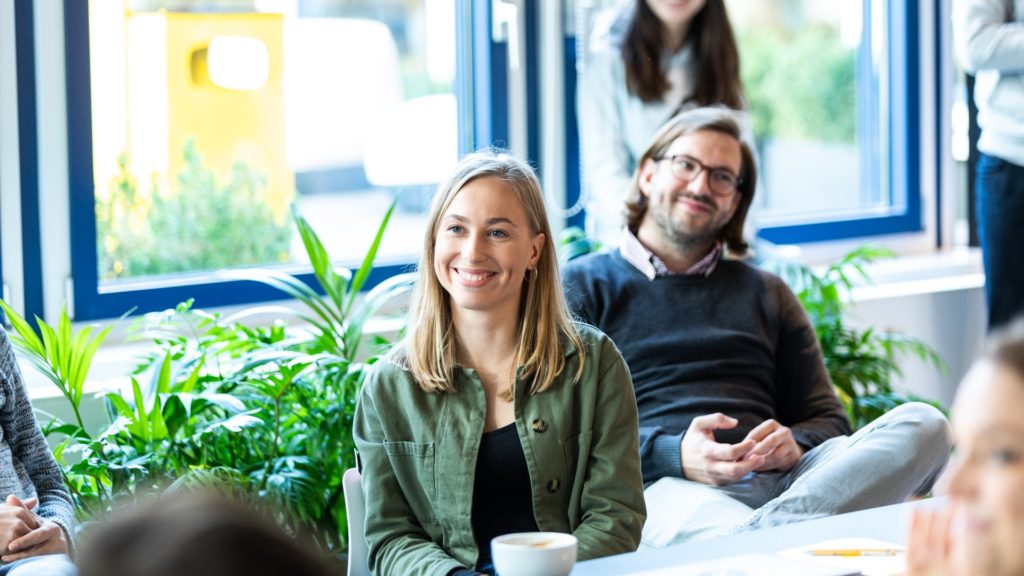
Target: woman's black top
(502,501)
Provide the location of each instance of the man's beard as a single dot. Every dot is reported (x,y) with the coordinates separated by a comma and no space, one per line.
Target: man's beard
(683,239)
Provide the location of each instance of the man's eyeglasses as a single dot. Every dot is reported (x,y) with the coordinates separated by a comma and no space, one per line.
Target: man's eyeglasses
(721,180)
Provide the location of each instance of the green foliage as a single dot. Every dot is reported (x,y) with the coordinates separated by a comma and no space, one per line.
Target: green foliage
(861,362)
(800,86)
(573,243)
(262,412)
(200,225)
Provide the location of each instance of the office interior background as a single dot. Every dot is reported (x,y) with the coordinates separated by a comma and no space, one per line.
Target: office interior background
(149,150)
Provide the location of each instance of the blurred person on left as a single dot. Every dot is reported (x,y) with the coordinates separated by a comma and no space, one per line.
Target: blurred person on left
(37,516)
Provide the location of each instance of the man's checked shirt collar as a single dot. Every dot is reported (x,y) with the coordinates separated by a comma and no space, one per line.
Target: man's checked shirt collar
(651,266)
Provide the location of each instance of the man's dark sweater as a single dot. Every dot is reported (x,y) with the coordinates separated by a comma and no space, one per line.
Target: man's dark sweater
(736,341)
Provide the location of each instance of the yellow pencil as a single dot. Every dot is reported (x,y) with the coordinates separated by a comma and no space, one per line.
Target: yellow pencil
(856,552)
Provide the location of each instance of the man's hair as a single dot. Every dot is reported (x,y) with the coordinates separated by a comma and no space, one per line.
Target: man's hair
(1006,346)
(716,60)
(545,324)
(716,119)
(199,534)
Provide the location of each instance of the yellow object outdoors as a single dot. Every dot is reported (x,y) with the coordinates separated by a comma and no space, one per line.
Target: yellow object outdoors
(213,78)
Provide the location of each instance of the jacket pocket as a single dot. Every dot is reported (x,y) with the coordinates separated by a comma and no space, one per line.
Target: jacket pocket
(577,458)
(413,464)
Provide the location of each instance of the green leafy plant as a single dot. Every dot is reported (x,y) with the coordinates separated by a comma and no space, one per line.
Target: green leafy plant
(200,224)
(264,412)
(862,362)
(573,242)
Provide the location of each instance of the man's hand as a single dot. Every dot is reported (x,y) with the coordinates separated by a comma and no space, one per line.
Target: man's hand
(775,443)
(710,462)
(42,536)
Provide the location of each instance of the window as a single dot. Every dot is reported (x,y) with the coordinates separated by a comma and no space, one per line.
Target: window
(18,160)
(832,91)
(195,125)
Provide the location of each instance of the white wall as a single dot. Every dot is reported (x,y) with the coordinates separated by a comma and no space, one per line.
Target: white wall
(940,301)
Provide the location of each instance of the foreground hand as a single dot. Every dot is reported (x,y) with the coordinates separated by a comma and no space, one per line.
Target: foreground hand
(45,537)
(776,444)
(16,520)
(711,462)
(929,543)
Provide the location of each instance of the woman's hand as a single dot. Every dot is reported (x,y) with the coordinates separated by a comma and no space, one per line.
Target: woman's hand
(44,537)
(929,547)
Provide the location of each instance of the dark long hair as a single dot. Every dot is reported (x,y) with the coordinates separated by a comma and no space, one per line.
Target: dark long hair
(714,53)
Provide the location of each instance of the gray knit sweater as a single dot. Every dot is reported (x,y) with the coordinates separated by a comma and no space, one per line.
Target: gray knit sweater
(27,467)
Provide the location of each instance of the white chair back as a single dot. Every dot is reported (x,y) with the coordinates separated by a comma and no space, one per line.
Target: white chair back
(355,510)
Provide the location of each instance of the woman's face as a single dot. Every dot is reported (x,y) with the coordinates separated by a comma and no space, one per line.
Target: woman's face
(674,14)
(985,480)
(484,248)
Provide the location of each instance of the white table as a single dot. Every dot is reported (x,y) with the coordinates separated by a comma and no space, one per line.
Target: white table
(888,523)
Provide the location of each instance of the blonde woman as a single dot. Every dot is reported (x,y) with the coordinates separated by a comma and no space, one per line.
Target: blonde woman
(497,413)
(980,532)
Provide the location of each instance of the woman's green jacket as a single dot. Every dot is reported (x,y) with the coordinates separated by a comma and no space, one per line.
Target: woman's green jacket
(418,452)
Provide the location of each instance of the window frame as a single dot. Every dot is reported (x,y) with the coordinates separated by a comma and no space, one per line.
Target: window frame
(904,125)
(28,162)
(91,301)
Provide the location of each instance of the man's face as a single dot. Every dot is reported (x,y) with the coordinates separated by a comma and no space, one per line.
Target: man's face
(687,213)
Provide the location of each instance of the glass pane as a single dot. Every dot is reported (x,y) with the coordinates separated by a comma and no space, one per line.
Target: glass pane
(814,78)
(212,118)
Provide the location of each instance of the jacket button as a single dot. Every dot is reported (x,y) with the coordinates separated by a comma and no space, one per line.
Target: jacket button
(539,426)
(553,485)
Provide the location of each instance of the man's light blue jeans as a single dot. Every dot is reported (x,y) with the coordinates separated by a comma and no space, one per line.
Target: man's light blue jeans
(888,461)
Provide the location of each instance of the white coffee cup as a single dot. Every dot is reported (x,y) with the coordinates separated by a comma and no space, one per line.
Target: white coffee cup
(534,554)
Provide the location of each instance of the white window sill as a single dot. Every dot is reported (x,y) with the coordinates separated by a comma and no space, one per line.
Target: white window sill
(958,269)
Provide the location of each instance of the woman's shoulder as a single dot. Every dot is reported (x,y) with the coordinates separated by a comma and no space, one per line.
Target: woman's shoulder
(593,339)
(609,29)
(390,369)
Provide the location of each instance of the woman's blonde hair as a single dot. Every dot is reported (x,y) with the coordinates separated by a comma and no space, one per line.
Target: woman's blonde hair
(545,324)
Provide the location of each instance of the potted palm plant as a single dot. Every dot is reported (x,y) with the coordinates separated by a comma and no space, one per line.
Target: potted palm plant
(261,411)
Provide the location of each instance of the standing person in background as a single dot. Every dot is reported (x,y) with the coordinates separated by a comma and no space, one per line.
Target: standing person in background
(37,517)
(497,413)
(989,40)
(646,62)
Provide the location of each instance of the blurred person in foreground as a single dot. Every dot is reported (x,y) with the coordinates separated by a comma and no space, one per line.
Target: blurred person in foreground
(195,534)
(979,531)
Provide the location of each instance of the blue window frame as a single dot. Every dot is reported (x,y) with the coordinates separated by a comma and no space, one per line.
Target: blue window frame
(478,96)
(903,122)
(28,160)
